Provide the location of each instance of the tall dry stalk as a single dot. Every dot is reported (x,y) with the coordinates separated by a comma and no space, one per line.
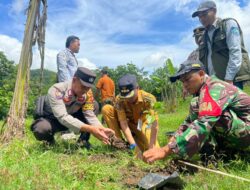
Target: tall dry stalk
(34,32)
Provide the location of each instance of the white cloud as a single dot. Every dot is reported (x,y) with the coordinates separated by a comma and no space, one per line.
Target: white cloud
(231,9)
(18,6)
(100,20)
(49,59)
(84,62)
(95,22)
(155,59)
(11,47)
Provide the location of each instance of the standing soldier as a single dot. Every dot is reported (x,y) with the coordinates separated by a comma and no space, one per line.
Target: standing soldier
(69,106)
(133,114)
(198,33)
(194,55)
(219,116)
(222,51)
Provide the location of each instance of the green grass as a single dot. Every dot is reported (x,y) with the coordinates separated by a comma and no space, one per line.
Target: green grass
(29,164)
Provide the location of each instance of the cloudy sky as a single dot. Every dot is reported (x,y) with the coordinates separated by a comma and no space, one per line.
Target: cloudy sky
(115,32)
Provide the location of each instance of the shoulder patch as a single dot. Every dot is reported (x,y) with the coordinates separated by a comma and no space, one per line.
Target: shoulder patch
(58,94)
(235,31)
(88,101)
(148,97)
(208,107)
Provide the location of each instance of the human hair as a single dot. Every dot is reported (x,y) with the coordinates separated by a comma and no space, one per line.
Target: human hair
(104,72)
(70,39)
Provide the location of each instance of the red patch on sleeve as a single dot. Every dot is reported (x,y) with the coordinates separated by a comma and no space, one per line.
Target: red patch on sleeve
(208,107)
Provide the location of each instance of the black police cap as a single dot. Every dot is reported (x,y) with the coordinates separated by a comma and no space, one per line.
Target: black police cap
(86,76)
(127,84)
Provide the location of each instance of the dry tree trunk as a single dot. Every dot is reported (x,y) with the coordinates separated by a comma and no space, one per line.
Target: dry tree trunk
(16,116)
(41,39)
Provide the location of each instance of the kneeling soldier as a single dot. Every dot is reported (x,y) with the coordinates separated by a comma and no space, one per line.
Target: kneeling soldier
(133,114)
(219,116)
(69,106)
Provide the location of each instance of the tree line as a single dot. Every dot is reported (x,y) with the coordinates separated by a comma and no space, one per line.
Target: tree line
(156,83)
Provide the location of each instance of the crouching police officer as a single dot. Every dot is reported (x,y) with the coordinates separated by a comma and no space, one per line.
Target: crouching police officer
(133,114)
(219,116)
(69,106)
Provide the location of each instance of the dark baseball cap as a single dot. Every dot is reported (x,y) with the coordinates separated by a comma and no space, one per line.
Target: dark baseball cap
(86,76)
(186,67)
(199,31)
(204,6)
(127,84)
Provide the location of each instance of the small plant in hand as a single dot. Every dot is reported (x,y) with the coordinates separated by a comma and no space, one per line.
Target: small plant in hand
(118,143)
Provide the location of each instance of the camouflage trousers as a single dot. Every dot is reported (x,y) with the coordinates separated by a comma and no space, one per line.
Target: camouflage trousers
(230,132)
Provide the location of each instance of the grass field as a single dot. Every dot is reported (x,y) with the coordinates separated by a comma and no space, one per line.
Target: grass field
(28,164)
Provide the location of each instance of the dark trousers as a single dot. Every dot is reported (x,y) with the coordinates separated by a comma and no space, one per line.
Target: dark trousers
(239,85)
(44,128)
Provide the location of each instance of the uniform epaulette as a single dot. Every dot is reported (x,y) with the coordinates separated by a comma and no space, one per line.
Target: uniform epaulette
(148,98)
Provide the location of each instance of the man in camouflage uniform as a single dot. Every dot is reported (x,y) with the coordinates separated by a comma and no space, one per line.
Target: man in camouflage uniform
(69,105)
(133,114)
(198,33)
(194,55)
(219,116)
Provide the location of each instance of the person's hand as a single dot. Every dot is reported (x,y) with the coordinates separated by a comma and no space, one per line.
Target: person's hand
(102,133)
(229,81)
(154,154)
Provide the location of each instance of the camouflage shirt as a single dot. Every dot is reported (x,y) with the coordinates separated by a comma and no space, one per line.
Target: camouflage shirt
(194,55)
(221,111)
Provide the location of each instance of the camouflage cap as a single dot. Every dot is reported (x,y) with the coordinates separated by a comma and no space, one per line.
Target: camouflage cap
(199,31)
(186,67)
(204,6)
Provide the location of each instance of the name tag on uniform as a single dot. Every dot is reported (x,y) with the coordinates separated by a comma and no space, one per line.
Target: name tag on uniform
(139,125)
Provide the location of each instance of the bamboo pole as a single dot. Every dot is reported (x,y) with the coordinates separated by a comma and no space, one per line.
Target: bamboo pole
(16,116)
(214,171)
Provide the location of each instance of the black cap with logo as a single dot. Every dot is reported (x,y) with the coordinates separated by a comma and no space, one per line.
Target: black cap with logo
(86,76)
(127,84)
(186,67)
(204,6)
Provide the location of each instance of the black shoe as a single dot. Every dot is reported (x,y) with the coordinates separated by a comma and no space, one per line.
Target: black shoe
(84,144)
(51,142)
